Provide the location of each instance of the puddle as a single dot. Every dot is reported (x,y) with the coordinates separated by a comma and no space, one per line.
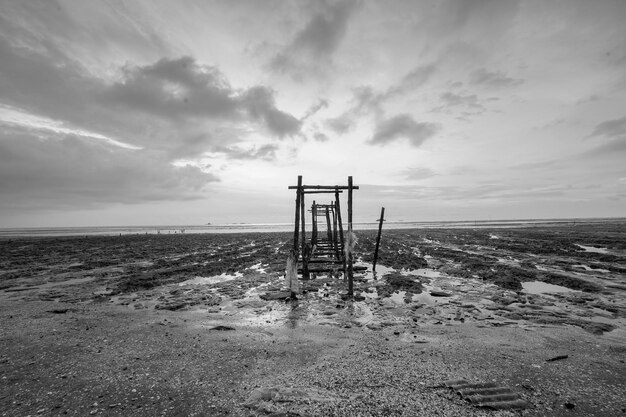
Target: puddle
(539,287)
(398,297)
(381,270)
(259,268)
(211,280)
(492,236)
(426,298)
(593,249)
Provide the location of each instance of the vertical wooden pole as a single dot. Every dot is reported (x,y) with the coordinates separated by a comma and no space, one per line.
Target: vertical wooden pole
(329,232)
(341,236)
(380,229)
(335,240)
(350,256)
(297,222)
(313,224)
(305,254)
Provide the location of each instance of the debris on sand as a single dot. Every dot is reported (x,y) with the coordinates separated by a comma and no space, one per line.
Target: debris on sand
(557,358)
(487,395)
(266,399)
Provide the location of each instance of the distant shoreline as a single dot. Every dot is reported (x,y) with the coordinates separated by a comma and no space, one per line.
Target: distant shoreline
(286,227)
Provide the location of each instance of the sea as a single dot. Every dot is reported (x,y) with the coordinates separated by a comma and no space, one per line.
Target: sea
(286,227)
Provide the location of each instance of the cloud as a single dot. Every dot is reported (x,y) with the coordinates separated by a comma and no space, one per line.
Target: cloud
(451,100)
(260,104)
(411,81)
(589,99)
(321,104)
(403,126)
(181,88)
(484,77)
(614,149)
(341,124)
(320,137)
(174,88)
(418,173)
(316,42)
(62,170)
(266,152)
(366,100)
(175,105)
(611,128)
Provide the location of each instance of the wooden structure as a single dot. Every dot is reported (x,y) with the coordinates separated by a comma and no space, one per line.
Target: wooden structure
(325,251)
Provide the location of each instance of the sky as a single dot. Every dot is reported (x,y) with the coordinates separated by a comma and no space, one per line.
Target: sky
(166,112)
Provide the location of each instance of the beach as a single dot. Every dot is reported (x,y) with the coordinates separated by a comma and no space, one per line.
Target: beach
(198,324)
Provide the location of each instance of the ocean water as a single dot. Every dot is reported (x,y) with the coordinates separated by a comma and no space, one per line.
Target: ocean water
(284,227)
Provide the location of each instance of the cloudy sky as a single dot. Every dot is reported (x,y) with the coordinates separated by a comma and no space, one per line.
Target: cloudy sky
(164,112)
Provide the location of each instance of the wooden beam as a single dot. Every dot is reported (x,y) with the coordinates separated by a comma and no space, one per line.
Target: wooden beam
(320,191)
(325,187)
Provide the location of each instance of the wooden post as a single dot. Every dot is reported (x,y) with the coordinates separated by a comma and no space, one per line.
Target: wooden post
(350,256)
(341,236)
(305,254)
(295,231)
(335,240)
(314,224)
(329,232)
(380,229)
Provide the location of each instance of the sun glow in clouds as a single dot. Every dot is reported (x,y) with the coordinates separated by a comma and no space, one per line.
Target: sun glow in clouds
(18,117)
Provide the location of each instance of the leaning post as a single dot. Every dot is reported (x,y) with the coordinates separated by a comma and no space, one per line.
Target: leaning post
(341,236)
(380,229)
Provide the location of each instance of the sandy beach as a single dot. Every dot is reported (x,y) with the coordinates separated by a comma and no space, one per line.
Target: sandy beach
(197,324)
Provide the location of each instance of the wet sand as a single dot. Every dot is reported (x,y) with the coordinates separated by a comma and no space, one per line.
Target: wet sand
(196,324)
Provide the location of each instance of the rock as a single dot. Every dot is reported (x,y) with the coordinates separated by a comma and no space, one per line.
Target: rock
(59,310)
(275,295)
(436,293)
(222,328)
(172,305)
(557,358)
